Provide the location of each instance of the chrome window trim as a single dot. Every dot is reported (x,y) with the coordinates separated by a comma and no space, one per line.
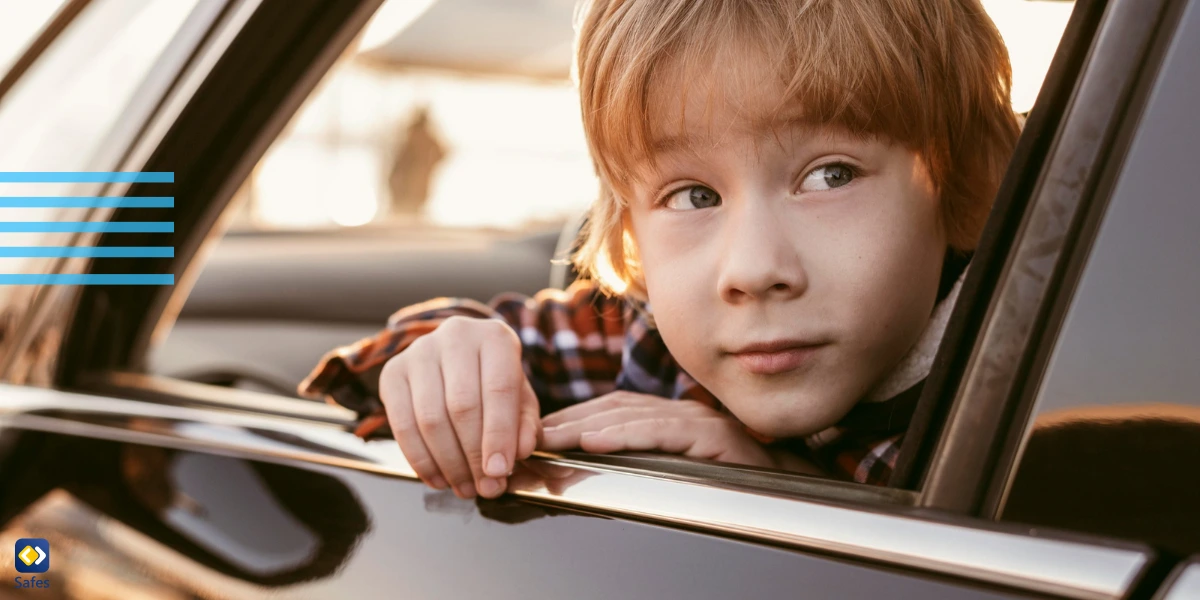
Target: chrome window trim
(988,554)
(178,392)
(966,456)
(174,392)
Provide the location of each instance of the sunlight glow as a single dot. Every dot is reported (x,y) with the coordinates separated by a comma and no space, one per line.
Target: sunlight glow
(1031,30)
(608,276)
(515,153)
(308,185)
(20,22)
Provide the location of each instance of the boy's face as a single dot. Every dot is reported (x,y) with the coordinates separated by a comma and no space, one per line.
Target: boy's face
(788,267)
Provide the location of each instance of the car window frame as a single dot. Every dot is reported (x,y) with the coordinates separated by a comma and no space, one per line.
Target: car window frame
(1087,224)
(139,329)
(1037,139)
(132,310)
(126,354)
(983,400)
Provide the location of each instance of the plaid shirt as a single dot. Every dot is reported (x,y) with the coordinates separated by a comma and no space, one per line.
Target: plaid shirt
(578,344)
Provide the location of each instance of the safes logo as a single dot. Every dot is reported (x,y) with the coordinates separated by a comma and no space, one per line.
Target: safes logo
(33,555)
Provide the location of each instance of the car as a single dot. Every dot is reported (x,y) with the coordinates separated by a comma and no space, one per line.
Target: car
(1054,452)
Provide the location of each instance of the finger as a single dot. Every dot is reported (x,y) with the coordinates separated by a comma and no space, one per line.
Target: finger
(671,435)
(397,401)
(503,384)
(600,404)
(531,424)
(460,378)
(433,422)
(567,435)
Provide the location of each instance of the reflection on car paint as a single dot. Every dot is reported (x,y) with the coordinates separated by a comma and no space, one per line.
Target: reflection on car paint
(380,536)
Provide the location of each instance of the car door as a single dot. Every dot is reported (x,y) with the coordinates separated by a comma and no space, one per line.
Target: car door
(163,488)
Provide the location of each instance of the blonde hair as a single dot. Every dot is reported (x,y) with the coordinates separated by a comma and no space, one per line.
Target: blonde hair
(933,75)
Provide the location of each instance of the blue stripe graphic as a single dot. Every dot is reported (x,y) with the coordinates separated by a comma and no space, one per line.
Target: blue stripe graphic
(87,252)
(86,202)
(88,279)
(87,177)
(87,227)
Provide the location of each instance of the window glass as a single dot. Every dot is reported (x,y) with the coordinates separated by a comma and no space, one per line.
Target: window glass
(1116,430)
(55,119)
(1132,332)
(66,111)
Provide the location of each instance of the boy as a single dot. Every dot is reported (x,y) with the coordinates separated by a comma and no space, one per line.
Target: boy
(789,191)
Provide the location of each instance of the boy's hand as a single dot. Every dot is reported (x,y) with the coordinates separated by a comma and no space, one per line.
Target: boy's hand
(631,421)
(460,406)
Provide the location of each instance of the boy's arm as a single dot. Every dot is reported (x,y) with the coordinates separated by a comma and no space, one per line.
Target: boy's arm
(571,347)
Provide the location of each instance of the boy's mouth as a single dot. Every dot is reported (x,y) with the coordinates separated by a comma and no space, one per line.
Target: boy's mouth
(780,356)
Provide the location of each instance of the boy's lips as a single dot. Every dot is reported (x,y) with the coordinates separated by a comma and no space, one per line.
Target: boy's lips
(770,358)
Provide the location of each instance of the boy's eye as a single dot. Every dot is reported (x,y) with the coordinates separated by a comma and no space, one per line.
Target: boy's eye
(693,196)
(827,177)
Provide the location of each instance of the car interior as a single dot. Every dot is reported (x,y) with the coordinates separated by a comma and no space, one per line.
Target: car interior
(268,305)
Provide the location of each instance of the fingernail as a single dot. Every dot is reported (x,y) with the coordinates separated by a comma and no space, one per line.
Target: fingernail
(466,491)
(489,487)
(589,434)
(437,482)
(496,465)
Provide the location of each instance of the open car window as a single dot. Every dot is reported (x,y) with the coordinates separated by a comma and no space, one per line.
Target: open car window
(427,164)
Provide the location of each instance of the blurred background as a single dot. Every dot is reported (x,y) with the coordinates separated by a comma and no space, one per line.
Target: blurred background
(461,114)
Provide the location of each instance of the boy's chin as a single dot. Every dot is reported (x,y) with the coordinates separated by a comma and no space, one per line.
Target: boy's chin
(783,418)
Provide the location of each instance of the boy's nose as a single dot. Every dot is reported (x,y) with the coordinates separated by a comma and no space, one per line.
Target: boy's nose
(761,258)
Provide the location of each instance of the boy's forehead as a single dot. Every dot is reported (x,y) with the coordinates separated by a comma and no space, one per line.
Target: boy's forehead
(685,107)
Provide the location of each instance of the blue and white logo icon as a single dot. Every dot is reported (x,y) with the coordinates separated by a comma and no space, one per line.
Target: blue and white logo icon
(32,555)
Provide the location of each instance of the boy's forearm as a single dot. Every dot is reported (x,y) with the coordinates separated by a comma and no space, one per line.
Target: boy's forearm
(349,375)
